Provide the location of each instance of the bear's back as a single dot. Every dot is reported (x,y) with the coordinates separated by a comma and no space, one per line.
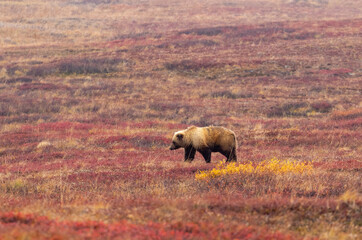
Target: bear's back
(219,136)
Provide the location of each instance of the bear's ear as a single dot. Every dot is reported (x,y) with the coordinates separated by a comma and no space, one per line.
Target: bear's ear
(179,136)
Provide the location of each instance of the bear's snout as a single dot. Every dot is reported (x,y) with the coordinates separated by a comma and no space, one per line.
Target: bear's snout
(174,146)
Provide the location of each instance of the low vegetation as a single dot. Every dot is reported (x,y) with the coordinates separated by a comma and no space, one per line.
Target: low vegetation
(91,93)
(273,166)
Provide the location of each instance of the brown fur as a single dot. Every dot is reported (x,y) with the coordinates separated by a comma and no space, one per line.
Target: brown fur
(206,140)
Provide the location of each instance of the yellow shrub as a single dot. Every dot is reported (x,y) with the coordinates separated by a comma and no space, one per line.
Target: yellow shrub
(273,166)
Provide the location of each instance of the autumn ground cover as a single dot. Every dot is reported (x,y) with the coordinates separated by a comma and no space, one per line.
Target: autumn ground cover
(92,91)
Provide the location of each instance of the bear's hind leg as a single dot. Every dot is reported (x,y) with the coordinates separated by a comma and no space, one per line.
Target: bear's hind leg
(189,154)
(206,154)
(230,155)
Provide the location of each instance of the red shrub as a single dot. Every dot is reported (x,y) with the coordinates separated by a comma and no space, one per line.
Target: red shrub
(340,71)
(99,230)
(347,114)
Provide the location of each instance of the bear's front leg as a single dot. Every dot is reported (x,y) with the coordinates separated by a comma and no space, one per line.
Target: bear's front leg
(189,153)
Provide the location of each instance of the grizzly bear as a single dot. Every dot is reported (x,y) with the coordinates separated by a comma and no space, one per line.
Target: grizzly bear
(205,140)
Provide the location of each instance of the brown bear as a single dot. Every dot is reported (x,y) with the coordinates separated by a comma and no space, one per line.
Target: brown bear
(205,140)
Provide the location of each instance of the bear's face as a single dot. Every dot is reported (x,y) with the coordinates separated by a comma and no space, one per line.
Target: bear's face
(177,141)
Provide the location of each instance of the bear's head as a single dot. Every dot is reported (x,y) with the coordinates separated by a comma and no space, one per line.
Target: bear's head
(177,141)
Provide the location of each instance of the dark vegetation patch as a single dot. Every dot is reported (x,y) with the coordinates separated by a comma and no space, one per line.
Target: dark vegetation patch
(336,72)
(4,109)
(204,31)
(299,109)
(41,86)
(35,62)
(95,2)
(20,138)
(18,80)
(172,110)
(142,141)
(12,68)
(21,118)
(267,31)
(201,120)
(103,88)
(78,66)
(28,105)
(322,106)
(59,126)
(227,94)
(192,65)
(190,43)
(272,31)
(303,36)
(170,106)
(288,109)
